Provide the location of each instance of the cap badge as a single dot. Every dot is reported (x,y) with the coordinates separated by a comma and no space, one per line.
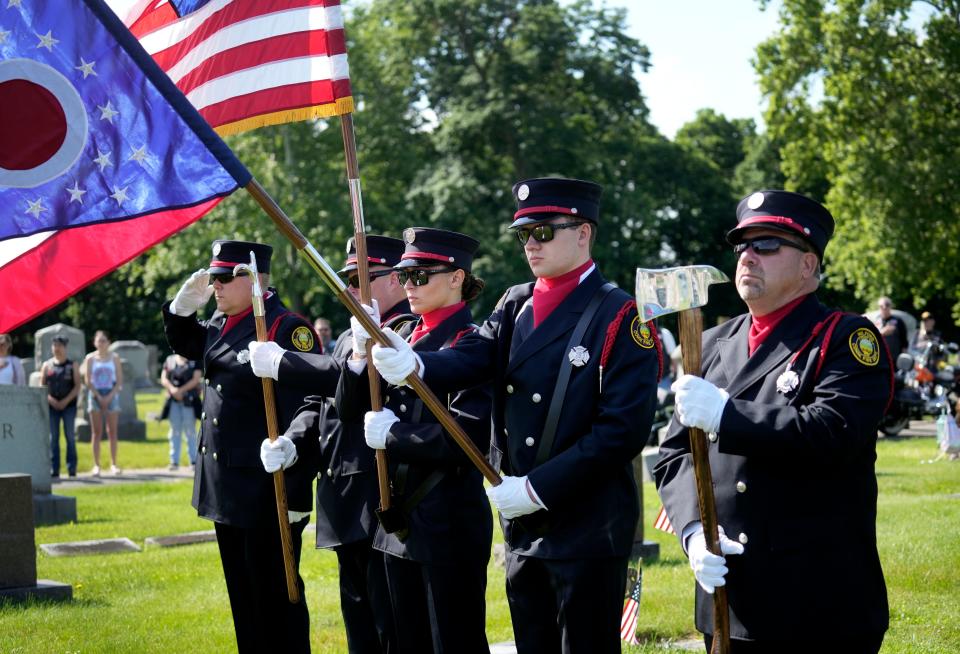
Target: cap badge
(216,249)
(579,356)
(755,200)
(523,192)
(349,245)
(409,235)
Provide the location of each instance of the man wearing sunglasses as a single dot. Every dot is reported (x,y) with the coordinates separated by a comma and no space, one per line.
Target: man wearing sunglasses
(574,374)
(790,397)
(231,487)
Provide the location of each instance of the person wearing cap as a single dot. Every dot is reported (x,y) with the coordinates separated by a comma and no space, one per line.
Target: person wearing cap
(347,488)
(61,376)
(927,335)
(231,487)
(574,374)
(790,398)
(438,544)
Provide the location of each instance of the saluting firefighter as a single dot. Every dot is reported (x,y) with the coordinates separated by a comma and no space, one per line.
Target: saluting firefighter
(790,398)
(230,485)
(347,489)
(574,375)
(436,558)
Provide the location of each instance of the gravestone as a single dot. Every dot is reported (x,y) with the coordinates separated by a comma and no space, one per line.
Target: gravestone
(153,366)
(18,555)
(25,449)
(28,366)
(643,549)
(130,427)
(43,338)
(137,355)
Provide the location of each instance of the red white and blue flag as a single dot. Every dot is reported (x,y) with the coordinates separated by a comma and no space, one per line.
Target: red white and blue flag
(248,63)
(631,612)
(101,156)
(662,522)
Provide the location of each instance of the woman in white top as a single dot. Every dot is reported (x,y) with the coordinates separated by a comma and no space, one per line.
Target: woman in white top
(11,370)
(104,378)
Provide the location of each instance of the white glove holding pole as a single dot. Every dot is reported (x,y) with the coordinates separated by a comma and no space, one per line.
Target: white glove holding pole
(395,363)
(265,358)
(376,427)
(708,568)
(281,453)
(194,293)
(698,403)
(360,335)
(512,497)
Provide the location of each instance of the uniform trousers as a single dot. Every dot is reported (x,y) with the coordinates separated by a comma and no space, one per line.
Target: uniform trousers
(438,608)
(566,605)
(365,599)
(866,644)
(252,561)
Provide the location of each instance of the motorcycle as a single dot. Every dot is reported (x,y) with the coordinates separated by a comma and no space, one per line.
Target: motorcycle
(923,385)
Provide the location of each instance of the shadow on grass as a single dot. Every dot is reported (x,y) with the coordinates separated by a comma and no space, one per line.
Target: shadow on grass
(47,602)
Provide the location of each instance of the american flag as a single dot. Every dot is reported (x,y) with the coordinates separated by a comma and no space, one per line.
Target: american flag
(248,63)
(662,522)
(631,612)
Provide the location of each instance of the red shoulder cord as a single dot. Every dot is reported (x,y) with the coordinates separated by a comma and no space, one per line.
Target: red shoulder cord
(611,337)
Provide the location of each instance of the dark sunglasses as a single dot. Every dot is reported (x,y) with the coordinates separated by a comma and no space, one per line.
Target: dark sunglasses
(420,276)
(542,232)
(224,278)
(353,281)
(765,245)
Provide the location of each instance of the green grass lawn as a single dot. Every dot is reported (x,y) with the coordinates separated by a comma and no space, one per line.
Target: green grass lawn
(165,600)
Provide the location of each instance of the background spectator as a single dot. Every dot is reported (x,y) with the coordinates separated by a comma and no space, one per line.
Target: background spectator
(104,378)
(892,329)
(11,370)
(181,378)
(325,333)
(62,379)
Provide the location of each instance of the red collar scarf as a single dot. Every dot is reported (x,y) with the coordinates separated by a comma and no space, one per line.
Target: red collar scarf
(549,292)
(761,326)
(431,319)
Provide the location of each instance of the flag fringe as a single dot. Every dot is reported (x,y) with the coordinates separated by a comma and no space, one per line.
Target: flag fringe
(339,107)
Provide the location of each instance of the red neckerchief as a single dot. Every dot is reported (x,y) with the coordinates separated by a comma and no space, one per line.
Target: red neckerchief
(431,319)
(548,293)
(761,326)
(237,317)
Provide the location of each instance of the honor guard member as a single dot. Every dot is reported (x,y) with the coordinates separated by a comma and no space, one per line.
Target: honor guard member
(574,374)
(347,488)
(230,485)
(437,554)
(790,398)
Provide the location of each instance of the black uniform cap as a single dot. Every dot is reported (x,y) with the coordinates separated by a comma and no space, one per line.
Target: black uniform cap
(542,198)
(426,246)
(381,251)
(785,211)
(227,254)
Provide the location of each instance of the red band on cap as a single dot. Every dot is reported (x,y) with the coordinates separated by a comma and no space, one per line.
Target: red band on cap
(427,255)
(226,264)
(547,208)
(779,220)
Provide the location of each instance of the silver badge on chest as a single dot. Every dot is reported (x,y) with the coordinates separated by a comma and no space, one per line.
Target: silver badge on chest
(579,356)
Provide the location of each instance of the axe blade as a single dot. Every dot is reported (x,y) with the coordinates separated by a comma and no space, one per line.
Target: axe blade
(663,291)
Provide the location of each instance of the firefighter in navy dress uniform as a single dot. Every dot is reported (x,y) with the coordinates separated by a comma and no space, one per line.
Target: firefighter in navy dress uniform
(790,398)
(230,485)
(574,374)
(436,560)
(347,489)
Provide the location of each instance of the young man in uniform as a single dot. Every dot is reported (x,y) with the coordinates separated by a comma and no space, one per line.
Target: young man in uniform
(574,373)
(790,398)
(230,485)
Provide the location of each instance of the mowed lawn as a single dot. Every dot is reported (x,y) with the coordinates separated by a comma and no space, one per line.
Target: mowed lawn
(167,600)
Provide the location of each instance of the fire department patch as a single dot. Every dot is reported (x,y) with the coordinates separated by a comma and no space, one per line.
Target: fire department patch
(864,346)
(642,333)
(302,338)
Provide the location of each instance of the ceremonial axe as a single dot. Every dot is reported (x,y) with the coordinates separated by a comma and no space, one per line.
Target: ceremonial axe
(683,290)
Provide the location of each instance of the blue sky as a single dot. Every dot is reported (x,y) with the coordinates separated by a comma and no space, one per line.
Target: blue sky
(701,52)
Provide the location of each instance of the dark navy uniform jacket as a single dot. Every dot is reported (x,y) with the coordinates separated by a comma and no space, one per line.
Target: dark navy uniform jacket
(793,475)
(587,482)
(452,522)
(347,489)
(230,484)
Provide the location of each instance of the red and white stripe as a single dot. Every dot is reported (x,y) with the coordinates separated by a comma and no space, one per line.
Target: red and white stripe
(662,522)
(247,63)
(628,622)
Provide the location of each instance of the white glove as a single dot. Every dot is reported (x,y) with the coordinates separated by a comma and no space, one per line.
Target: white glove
(513,498)
(360,335)
(395,363)
(194,293)
(265,358)
(281,453)
(376,426)
(709,569)
(698,403)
